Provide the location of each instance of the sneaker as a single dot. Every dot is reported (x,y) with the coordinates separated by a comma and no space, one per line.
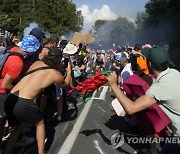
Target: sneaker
(24,141)
(7,134)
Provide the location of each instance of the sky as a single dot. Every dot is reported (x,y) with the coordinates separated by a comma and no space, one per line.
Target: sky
(93,10)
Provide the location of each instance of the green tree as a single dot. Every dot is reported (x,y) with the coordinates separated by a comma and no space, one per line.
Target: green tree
(161,25)
(54,16)
(5,21)
(97,26)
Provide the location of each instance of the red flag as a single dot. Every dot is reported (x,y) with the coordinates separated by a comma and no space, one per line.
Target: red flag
(90,84)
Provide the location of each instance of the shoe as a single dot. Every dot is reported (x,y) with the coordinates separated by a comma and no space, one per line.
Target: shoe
(7,134)
(24,141)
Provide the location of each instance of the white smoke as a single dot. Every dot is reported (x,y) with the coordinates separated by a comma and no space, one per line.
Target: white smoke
(104,13)
(90,17)
(30,27)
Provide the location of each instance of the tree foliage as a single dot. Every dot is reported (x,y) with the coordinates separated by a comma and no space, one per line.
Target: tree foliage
(97,25)
(54,16)
(161,22)
(161,25)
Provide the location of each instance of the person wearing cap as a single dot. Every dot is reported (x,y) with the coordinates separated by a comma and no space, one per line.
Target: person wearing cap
(20,107)
(165,91)
(38,33)
(116,66)
(40,36)
(12,70)
(71,50)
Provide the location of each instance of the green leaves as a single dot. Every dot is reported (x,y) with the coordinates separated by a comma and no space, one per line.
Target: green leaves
(55,16)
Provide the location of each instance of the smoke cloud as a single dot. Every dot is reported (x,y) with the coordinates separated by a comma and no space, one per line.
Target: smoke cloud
(30,27)
(104,13)
(90,17)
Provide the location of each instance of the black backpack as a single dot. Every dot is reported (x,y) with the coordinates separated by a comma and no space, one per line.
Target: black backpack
(4,54)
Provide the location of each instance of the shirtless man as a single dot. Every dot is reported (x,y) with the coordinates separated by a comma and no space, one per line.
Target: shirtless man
(20,108)
(52,43)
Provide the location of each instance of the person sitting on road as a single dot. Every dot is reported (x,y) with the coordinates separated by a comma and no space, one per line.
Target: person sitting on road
(20,107)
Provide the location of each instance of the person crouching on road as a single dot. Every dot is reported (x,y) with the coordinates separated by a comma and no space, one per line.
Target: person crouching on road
(20,107)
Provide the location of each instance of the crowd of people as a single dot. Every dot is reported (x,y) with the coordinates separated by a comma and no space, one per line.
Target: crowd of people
(23,93)
(151,64)
(62,65)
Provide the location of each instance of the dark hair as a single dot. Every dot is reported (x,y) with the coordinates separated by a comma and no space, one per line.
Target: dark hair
(53,39)
(53,59)
(80,45)
(129,50)
(63,44)
(137,47)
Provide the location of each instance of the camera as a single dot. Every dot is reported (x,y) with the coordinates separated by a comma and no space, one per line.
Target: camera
(65,62)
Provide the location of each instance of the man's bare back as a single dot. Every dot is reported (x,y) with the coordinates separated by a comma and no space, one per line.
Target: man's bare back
(30,86)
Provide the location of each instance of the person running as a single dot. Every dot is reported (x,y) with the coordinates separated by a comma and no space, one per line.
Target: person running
(20,106)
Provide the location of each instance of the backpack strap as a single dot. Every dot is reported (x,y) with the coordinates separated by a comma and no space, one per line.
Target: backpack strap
(38,69)
(16,54)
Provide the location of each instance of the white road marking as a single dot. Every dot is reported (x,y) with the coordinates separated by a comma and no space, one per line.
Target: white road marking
(101,108)
(64,129)
(98,147)
(103,93)
(69,142)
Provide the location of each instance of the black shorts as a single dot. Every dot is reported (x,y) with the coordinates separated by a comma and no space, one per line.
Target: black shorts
(2,99)
(20,110)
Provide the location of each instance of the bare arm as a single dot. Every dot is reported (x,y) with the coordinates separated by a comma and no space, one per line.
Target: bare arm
(7,83)
(130,106)
(65,83)
(43,53)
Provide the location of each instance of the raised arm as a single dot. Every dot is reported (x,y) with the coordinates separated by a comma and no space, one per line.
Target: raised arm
(63,83)
(130,106)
